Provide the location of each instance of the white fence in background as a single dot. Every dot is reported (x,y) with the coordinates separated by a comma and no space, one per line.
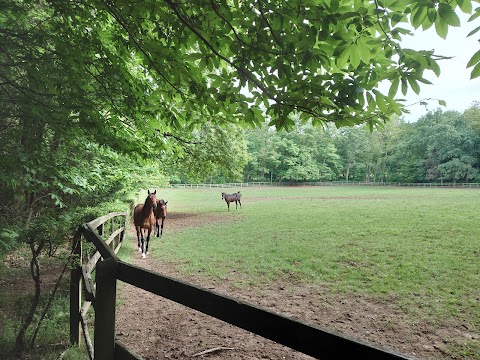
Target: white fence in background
(325,183)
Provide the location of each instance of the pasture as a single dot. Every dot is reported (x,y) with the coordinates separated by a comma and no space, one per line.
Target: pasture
(415,249)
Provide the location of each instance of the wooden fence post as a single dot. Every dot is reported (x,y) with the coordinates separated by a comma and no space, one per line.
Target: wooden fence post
(105,297)
(122,234)
(76,289)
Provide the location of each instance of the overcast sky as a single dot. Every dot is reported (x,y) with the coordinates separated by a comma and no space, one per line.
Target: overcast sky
(454,84)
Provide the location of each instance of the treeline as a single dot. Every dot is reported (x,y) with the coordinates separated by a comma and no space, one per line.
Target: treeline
(439,147)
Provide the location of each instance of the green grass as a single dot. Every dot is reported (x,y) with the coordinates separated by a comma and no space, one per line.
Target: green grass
(419,246)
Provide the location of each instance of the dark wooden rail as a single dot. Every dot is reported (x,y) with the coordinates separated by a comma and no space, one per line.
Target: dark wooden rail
(307,338)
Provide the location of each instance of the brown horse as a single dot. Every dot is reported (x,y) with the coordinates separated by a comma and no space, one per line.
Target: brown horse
(231,198)
(160,213)
(144,218)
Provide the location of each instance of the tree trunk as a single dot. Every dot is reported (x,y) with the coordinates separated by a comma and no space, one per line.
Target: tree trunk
(384,162)
(35,272)
(30,198)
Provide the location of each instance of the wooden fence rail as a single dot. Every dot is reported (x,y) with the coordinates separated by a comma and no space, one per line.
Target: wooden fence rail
(327,183)
(307,338)
(83,290)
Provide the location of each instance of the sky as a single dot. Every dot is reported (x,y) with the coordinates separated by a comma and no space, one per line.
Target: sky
(454,84)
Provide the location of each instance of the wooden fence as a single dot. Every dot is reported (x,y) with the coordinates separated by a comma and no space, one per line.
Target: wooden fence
(327,183)
(83,289)
(307,338)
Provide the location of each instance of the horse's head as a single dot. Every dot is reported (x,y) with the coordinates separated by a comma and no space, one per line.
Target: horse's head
(162,206)
(151,199)
(223,195)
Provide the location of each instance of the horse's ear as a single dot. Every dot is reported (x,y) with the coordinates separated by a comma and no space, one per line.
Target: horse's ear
(166,202)
(154,192)
(148,192)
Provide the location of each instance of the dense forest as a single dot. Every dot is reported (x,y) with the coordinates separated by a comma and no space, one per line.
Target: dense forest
(442,146)
(439,147)
(102,98)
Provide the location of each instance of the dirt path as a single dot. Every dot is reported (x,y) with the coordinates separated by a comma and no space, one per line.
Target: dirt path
(157,328)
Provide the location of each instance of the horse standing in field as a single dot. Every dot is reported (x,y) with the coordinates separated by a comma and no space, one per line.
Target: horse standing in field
(144,218)
(160,213)
(231,198)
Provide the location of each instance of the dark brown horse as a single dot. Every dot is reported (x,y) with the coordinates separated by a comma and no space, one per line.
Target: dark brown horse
(144,218)
(160,213)
(231,198)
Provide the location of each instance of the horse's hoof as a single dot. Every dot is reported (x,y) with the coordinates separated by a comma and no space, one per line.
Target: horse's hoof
(147,253)
(139,249)
(143,255)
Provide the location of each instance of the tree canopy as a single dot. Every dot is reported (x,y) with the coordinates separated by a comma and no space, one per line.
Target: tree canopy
(177,64)
(134,73)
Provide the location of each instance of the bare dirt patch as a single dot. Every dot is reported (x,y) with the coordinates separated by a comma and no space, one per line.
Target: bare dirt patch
(157,328)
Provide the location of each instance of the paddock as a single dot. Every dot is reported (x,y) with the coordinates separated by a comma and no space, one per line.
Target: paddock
(367,231)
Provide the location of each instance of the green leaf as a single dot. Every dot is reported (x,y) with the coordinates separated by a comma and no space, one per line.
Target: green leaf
(396,18)
(362,10)
(393,88)
(474,31)
(465,5)
(434,66)
(307,57)
(474,59)
(448,15)
(414,85)
(334,5)
(425,81)
(342,59)
(361,98)
(371,102)
(427,23)
(194,56)
(419,15)
(354,53)
(380,100)
(404,86)
(432,15)
(475,72)
(441,27)
(442,102)
(364,51)
(399,5)
(348,15)
(474,16)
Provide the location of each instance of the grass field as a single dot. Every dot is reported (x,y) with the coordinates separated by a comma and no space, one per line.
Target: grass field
(418,246)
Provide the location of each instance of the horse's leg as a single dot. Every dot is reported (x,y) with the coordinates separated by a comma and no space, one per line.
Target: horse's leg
(228,204)
(143,242)
(240,203)
(144,254)
(161,229)
(139,231)
(157,228)
(236,204)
